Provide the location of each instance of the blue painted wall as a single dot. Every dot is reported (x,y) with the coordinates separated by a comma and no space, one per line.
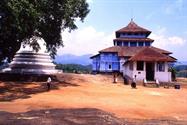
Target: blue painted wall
(132,36)
(131,44)
(96,63)
(106,62)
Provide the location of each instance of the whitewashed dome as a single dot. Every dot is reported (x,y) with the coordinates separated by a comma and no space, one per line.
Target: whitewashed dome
(30,62)
(27,61)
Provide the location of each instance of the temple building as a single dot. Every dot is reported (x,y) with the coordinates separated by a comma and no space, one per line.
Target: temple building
(134,56)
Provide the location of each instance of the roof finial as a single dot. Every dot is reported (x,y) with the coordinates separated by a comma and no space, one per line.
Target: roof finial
(132,14)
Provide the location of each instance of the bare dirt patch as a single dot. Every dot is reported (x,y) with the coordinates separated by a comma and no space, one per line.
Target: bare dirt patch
(182,81)
(98,92)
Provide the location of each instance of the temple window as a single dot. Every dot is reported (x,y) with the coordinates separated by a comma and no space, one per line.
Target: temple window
(140,65)
(140,43)
(114,43)
(133,44)
(161,66)
(147,43)
(109,66)
(119,43)
(125,43)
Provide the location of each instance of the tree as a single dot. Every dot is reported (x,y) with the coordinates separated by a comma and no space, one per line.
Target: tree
(22,21)
(173,73)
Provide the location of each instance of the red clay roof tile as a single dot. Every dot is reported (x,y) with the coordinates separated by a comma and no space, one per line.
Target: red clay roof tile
(130,51)
(149,54)
(133,27)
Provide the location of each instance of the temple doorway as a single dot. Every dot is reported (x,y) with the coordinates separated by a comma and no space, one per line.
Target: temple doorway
(150,71)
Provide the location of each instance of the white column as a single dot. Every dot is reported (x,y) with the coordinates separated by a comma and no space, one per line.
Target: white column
(155,74)
(144,69)
(155,66)
(122,44)
(128,43)
(166,66)
(134,66)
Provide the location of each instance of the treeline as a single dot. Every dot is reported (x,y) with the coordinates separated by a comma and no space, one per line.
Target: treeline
(74,68)
(180,67)
(181,70)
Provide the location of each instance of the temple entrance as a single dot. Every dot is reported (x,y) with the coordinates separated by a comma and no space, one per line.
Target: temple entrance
(150,71)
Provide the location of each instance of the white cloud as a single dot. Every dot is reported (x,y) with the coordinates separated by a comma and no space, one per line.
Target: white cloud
(89,41)
(173,7)
(89,1)
(175,44)
(161,30)
(85,41)
(175,40)
(167,42)
(163,41)
(159,40)
(41,43)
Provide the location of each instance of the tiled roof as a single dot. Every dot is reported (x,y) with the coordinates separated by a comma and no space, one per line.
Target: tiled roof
(149,54)
(133,27)
(130,51)
(161,50)
(134,39)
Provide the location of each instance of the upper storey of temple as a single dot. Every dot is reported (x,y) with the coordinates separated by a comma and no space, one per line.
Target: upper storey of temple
(132,35)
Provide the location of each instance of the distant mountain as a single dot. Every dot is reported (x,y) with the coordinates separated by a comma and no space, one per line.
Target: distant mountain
(73,59)
(181,63)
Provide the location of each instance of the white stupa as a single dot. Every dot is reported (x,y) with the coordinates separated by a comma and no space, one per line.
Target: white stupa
(27,61)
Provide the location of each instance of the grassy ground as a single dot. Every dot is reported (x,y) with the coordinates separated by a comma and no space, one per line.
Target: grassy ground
(77,91)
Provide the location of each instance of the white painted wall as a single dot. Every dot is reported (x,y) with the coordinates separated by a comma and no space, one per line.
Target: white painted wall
(121,62)
(140,75)
(127,70)
(163,76)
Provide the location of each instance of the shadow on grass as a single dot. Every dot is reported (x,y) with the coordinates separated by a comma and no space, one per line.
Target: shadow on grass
(10,91)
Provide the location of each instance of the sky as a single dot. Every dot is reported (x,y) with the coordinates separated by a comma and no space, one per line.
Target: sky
(167,19)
